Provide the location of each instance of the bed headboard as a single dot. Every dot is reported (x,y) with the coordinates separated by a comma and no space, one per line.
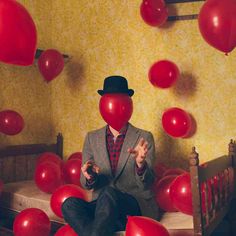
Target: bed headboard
(17,163)
(218,178)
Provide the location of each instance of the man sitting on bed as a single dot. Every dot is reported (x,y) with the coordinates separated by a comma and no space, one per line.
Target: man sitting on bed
(117,165)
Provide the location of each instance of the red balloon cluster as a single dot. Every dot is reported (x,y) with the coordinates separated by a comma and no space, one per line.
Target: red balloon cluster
(176,122)
(65,230)
(51,64)
(159,170)
(18,36)
(217,24)
(154,12)
(163,74)
(116,109)
(31,221)
(144,226)
(64,192)
(11,122)
(48,174)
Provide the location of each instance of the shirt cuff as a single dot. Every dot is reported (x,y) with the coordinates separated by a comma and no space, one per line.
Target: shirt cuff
(140,170)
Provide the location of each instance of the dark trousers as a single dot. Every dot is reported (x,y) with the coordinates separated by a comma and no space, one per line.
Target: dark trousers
(101,217)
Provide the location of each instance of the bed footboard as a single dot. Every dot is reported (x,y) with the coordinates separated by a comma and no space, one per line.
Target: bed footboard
(213,187)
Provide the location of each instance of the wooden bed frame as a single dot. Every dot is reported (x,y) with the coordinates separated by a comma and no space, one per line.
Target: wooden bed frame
(17,163)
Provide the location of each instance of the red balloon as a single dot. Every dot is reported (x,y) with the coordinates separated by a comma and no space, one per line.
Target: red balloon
(31,221)
(174,171)
(159,171)
(65,230)
(11,122)
(217,24)
(49,157)
(116,109)
(48,176)
(51,64)
(162,190)
(64,192)
(181,194)
(76,155)
(72,171)
(163,74)
(144,226)
(18,36)
(154,12)
(176,122)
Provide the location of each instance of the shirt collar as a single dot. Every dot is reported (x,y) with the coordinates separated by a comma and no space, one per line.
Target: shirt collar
(122,131)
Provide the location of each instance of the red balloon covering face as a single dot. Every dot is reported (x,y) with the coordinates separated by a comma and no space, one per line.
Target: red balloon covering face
(18,36)
(116,109)
(217,24)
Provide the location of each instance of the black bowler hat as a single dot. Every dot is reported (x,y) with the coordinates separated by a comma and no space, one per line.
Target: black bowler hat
(116,84)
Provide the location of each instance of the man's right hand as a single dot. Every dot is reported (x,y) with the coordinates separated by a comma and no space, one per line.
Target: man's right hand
(89,169)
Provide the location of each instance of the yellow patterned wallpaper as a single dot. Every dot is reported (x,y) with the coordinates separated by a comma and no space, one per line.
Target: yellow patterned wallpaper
(109,37)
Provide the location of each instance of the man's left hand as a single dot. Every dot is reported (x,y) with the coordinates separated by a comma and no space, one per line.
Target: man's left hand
(140,152)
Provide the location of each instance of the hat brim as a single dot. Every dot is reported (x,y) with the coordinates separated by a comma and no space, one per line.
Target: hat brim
(130,92)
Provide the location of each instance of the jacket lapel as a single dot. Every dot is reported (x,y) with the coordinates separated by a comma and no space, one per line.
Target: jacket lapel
(104,160)
(131,138)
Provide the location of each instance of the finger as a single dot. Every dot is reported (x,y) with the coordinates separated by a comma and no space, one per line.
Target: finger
(131,150)
(145,144)
(96,169)
(141,141)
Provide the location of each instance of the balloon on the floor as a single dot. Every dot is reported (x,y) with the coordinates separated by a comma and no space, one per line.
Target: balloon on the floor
(75,155)
(18,36)
(32,222)
(144,226)
(65,230)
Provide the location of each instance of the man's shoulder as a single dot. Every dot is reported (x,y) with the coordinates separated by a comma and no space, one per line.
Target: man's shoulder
(143,132)
(97,131)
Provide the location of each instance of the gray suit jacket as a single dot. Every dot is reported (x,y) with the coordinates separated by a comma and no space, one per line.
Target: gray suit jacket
(126,178)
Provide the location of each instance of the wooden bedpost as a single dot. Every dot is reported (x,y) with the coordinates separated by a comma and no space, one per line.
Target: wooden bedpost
(232,155)
(196,195)
(59,150)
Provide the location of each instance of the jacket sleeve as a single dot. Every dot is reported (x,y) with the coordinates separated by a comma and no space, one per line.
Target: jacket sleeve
(147,178)
(87,155)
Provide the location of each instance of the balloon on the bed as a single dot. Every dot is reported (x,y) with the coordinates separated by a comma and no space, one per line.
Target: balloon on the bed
(32,222)
(144,226)
(162,193)
(181,193)
(75,155)
(64,192)
(65,230)
(11,122)
(48,176)
(18,36)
